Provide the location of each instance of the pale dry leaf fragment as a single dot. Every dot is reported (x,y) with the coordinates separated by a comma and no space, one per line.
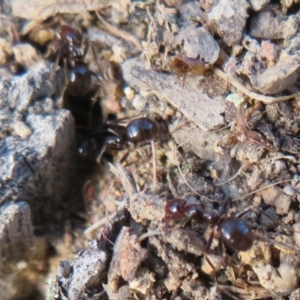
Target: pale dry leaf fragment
(216,260)
(197,141)
(26,55)
(272,24)
(258,5)
(178,267)
(5,50)
(41,10)
(147,207)
(296,234)
(184,240)
(194,103)
(196,290)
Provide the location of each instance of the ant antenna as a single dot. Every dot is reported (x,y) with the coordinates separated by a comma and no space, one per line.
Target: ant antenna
(153,165)
(264,187)
(245,91)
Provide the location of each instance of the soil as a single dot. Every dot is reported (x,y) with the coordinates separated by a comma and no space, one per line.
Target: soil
(219,80)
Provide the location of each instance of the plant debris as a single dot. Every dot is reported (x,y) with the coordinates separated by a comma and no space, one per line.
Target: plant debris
(149,213)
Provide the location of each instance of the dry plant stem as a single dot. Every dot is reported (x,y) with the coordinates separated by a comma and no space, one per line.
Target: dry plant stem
(148,234)
(252,95)
(183,175)
(265,187)
(228,180)
(120,33)
(88,232)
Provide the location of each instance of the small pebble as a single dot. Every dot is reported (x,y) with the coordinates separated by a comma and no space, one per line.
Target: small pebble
(22,130)
(25,55)
(129,93)
(288,190)
(269,50)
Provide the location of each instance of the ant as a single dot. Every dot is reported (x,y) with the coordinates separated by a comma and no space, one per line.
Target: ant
(82,87)
(113,137)
(182,65)
(137,131)
(232,231)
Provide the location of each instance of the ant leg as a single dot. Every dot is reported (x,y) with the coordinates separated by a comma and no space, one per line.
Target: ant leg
(94,100)
(59,56)
(92,46)
(153,165)
(252,207)
(225,205)
(122,121)
(243,212)
(182,81)
(99,156)
(124,157)
(207,247)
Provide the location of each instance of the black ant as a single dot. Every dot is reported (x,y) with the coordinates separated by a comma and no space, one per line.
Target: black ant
(137,131)
(112,137)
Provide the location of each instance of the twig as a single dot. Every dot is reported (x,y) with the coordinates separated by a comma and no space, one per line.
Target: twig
(120,33)
(252,95)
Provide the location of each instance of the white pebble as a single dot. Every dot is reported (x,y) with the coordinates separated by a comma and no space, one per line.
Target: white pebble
(22,130)
(288,190)
(129,93)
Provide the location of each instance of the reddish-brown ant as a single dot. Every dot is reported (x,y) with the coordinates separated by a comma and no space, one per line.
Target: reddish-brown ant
(83,85)
(182,65)
(232,231)
(70,45)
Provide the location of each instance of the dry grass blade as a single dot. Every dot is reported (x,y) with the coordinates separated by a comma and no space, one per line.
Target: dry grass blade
(252,95)
(126,178)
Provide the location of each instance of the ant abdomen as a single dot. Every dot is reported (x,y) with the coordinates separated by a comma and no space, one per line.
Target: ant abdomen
(236,234)
(141,130)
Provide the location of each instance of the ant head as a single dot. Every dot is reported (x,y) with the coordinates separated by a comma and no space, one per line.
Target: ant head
(72,38)
(174,209)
